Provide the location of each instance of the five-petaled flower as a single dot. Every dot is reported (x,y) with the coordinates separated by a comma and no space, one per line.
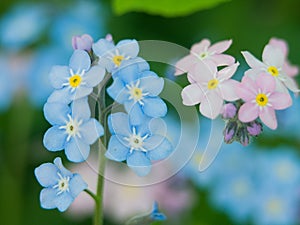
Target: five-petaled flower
(72,129)
(137,144)
(261,100)
(61,186)
(138,91)
(273,62)
(203,51)
(113,57)
(210,88)
(76,80)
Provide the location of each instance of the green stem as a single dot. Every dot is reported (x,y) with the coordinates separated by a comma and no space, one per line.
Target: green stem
(102,143)
(90,193)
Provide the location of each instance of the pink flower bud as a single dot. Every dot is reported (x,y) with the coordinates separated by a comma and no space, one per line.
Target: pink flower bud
(83,42)
(229,111)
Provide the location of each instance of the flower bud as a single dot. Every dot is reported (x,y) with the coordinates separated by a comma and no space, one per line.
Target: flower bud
(229,111)
(83,42)
(243,136)
(109,37)
(229,132)
(254,129)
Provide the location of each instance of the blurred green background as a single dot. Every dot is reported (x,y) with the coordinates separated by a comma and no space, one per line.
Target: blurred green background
(249,23)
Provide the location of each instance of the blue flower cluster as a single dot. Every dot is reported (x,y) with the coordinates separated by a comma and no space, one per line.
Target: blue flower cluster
(264,190)
(134,138)
(137,88)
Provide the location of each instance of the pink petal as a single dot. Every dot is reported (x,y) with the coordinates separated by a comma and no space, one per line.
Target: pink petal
(248,112)
(192,94)
(290,70)
(227,72)
(291,84)
(253,73)
(222,59)
(211,105)
(280,87)
(279,43)
(200,47)
(266,83)
(252,61)
(220,47)
(268,117)
(201,72)
(185,64)
(228,90)
(247,89)
(273,56)
(280,100)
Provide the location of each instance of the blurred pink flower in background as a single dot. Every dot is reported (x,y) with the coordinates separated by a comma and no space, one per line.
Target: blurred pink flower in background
(122,202)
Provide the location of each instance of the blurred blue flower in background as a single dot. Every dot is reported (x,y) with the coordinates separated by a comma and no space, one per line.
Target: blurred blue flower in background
(22,26)
(6,87)
(38,83)
(81,18)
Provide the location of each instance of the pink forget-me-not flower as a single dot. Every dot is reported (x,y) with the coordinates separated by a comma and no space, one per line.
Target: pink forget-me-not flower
(261,100)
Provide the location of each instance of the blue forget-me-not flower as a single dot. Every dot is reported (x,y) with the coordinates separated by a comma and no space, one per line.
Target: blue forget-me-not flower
(113,57)
(72,129)
(61,186)
(138,91)
(138,145)
(76,80)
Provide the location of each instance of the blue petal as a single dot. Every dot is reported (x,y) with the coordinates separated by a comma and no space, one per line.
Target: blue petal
(94,76)
(154,107)
(118,123)
(128,74)
(63,201)
(63,171)
(107,63)
(136,115)
(61,95)
(76,150)
(55,139)
(91,131)
(128,48)
(58,76)
(143,128)
(81,109)
(56,113)
(80,60)
(141,64)
(118,91)
(156,215)
(77,185)
(152,85)
(139,163)
(116,150)
(160,148)
(149,73)
(47,198)
(102,47)
(80,92)
(46,174)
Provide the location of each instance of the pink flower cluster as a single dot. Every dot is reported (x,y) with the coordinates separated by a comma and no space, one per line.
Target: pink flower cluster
(264,87)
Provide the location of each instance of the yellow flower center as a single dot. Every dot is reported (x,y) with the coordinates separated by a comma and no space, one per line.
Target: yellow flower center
(75,81)
(212,84)
(117,59)
(273,71)
(262,99)
(136,93)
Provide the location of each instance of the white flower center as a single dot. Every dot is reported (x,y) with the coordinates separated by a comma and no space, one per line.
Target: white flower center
(136,141)
(136,93)
(72,127)
(62,184)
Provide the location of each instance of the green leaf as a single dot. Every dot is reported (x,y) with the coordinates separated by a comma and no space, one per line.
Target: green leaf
(167,8)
